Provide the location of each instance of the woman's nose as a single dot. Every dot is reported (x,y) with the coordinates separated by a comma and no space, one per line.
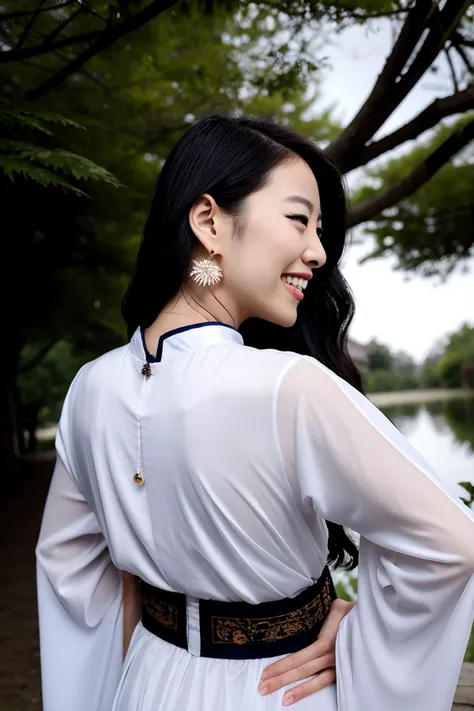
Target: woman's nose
(315,256)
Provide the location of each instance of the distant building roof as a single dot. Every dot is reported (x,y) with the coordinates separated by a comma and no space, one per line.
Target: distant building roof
(358,352)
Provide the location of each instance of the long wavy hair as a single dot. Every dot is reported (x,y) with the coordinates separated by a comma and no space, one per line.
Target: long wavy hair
(230,158)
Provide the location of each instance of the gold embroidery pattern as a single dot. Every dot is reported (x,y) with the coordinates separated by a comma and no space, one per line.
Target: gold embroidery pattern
(161,611)
(326,594)
(244,630)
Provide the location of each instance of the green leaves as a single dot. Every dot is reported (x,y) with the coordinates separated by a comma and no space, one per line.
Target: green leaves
(29,116)
(431,232)
(470,490)
(31,161)
(45,165)
(458,357)
(11,166)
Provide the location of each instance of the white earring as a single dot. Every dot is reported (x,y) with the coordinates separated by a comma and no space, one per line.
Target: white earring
(206,272)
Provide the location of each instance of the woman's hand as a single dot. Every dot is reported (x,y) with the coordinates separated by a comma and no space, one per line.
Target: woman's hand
(318,658)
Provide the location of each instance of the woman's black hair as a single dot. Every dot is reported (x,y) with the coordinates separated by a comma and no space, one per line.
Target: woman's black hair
(230,158)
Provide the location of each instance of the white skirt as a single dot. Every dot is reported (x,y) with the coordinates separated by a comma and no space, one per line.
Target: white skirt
(158,676)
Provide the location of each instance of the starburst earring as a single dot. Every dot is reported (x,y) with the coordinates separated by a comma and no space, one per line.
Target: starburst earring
(206,272)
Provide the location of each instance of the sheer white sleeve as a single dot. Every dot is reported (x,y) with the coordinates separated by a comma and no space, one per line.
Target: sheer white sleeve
(402,645)
(79,603)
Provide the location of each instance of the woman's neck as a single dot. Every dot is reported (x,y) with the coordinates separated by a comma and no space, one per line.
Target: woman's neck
(185,310)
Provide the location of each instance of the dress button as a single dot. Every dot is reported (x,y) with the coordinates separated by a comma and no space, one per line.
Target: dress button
(146,371)
(139,479)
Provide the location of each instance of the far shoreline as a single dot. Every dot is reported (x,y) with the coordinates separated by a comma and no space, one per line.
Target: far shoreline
(417,397)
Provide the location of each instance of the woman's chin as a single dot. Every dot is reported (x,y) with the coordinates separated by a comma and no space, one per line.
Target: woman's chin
(287,323)
(285,318)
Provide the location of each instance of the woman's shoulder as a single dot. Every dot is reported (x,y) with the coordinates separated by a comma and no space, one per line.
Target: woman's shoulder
(94,374)
(265,365)
(300,371)
(290,369)
(308,379)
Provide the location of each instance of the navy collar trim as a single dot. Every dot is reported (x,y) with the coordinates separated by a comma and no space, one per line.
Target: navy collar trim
(175,331)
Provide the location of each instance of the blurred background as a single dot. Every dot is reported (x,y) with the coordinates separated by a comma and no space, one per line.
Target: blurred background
(93,95)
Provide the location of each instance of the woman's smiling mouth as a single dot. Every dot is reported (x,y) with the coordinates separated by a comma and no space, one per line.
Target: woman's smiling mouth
(295,285)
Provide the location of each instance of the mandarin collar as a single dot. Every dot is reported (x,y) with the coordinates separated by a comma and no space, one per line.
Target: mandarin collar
(175,343)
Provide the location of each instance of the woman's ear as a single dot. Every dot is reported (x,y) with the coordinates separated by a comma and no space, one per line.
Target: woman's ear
(202,217)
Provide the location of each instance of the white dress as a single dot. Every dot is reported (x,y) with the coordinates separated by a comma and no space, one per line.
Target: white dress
(245,453)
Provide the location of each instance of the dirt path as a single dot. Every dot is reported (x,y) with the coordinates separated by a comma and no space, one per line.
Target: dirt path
(20,518)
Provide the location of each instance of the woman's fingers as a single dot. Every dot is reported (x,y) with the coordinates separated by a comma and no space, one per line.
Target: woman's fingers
(325,644)
(301,691)
(303,671)
(313,651)
(318,658)
(326,638)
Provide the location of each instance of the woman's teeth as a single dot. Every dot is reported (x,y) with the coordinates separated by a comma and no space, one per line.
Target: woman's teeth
(295,281)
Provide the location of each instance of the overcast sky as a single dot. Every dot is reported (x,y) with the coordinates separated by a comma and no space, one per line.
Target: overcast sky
(411,315)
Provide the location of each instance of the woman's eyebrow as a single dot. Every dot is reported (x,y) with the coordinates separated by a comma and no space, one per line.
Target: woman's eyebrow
(302,200)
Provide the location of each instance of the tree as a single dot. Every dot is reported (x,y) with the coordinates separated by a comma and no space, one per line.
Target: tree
(387,371)
(29,214)
(404,363)
(42,384)
(430,232)
(456,367)
(459,414)
(429,377)
(380,357)
(69,35)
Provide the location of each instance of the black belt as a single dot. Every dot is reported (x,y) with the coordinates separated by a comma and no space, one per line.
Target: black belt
(240,630)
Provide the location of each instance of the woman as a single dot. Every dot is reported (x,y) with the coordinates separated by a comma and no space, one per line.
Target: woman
(221,474)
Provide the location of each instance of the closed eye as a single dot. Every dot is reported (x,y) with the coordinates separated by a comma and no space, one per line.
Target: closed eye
(299,218)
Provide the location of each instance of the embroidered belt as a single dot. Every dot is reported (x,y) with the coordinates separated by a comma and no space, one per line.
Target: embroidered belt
(240,630)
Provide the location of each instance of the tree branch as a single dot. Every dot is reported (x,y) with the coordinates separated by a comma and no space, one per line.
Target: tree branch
(468,43)
(363,16)
(57,30)
(461,50)
(440,108)
(443,26)
(84,72)
(371,116)
(356,14)
(414,180)
(393,85)
(25,13)
(18,55)
(106,39)
(451,69)
(29,25)
(94,12)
